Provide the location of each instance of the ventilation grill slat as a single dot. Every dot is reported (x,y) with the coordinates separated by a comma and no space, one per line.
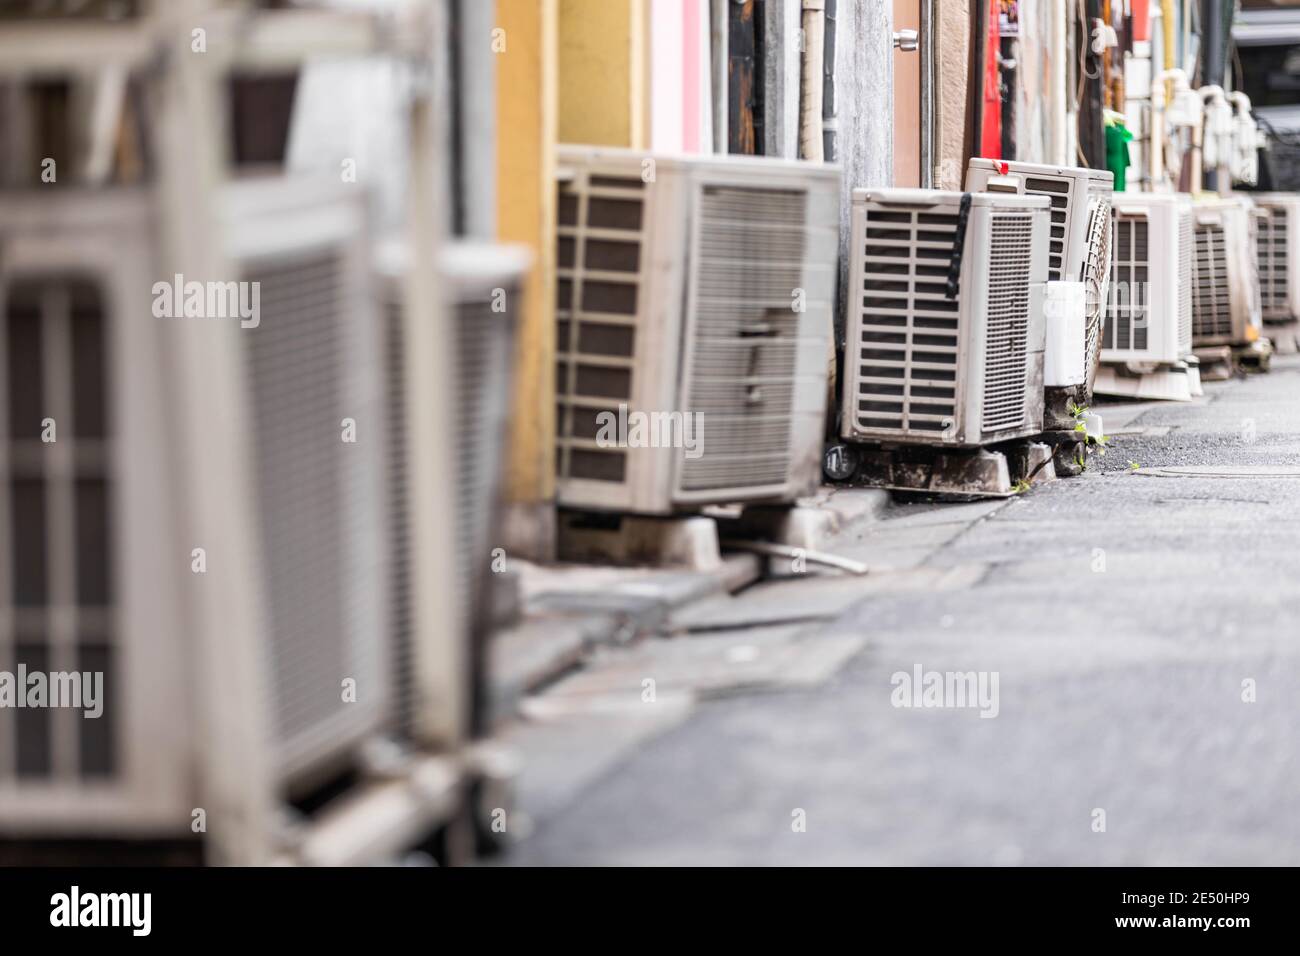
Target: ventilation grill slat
(1128,311)
(1211,293)
(1275,296)
(907,355)
(1005,359)
(751,249)
(313,498)
(600,254)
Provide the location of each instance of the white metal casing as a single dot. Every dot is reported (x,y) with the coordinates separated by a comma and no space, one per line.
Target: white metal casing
(1278,259)
(1065,351)
(483,284)
(1080,232)
(1149,313)
(1225,285)
(923,368)
(694,285)
(106,239)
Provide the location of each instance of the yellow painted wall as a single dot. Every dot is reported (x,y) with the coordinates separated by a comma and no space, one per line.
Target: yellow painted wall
(526,135)
(603,65)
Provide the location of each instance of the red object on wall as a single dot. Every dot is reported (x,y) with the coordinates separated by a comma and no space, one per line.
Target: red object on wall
(991,134)
(1141,21)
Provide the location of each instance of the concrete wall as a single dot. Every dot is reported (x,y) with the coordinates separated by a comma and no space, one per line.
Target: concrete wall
(525,174)
(603,53)
(952,74)
(864,94)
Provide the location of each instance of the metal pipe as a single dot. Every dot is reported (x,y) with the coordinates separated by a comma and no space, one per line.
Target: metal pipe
(1214,56)
(810,87)
(928,117)
(1057,95)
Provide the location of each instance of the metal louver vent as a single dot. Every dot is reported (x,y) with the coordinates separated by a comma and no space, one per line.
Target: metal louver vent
(1275,297)
(484,357)
(59,598)
(1185,271)
(1211,294)
(1096,278)
(402,613)
(1006,339)
(1128,313)
(1058,190)
(599,256)
(745,334)
(908,350)
(314,498)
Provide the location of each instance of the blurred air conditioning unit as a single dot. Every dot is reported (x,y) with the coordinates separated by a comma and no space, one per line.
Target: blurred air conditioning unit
(1225,292)
(1080,232)
(692,293)
(102,578)
(95,565)
(1278,262)
(484,284)
(1147,334)
(313,363)
(945,321)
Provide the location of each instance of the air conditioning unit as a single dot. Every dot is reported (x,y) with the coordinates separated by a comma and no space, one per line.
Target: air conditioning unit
(483,282)
(694,307)
(1225,294)
(95,566)
(102,577)
(314,362)
(1146,339)
(945,326)
(1278,263)
(1149,313)
(1080,231)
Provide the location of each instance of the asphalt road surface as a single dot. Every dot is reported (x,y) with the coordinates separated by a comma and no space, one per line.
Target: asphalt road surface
(1143,638)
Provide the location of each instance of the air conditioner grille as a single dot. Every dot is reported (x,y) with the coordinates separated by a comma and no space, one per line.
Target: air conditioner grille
(908,350)
(746,331)
(1006,343)
(1096,278)
(1128,313)
(1186,269)
(312,497)
(401,615)
(1058,190)
(1275,297)
(59,599)
(599,256)
(1211,294)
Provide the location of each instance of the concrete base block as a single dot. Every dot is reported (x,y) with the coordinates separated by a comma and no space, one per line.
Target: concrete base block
(1169,383)
(1285,336)
(1216,363)
(1194,377)
(975,472)
(812,523)
(679,542)
(528,530)
(1255,357)
(1032,462)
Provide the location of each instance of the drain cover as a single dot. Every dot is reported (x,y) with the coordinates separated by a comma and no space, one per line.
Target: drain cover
(1223,471)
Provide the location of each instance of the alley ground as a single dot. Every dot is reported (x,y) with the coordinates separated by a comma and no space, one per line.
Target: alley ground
(1122,613)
